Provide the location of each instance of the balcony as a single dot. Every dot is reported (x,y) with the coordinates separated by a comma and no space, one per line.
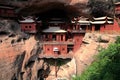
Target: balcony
(78,31)
(57,42)
(56,56)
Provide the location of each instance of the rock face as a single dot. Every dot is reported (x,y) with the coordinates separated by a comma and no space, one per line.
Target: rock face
(92,44)
(20,60)
(9,26)
(72,8)
(19,52)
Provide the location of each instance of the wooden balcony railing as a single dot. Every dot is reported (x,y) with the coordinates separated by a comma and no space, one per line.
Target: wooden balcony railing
(56,56)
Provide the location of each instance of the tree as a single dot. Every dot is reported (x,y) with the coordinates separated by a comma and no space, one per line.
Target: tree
(106,66)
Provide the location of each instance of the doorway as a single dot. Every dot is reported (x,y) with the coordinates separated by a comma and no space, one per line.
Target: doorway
(54,37)
(97,27)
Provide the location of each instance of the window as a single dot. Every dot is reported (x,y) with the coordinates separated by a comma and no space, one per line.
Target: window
(69,48)
(54,37)
(48,49)
(30,27)
(61,37)
(26,27)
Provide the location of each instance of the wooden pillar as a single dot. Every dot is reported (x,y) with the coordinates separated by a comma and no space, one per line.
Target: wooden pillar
(73,27)
(56,68)
(86,27)
(64,37)
(77,27)
(93,28)
(58,37)
(50,37)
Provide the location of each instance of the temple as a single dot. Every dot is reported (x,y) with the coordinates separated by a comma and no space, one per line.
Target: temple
(59,35)
(29,25)
(7,11)
(102,24)
(59,39)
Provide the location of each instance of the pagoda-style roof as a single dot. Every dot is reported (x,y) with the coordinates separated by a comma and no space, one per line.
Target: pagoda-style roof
(81,21)
(28,20)
(54,30)
(101,22)
(6,6)
(103,18)
(84,22)
(57,22)
(117,3)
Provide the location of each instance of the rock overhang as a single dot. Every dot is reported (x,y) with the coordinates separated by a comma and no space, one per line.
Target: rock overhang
(57,8)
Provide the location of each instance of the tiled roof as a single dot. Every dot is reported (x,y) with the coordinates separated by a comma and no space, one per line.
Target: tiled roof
(54,30)
(102,18)
(28,20)
(84,22)
(101,22)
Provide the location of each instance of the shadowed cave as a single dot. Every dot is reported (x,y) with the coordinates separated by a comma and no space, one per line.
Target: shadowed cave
(50,10)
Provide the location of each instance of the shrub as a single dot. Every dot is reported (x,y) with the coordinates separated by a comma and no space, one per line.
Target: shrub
(117,40)
(106,66)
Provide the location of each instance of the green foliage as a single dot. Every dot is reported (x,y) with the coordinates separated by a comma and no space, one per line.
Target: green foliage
(106,66)
(117,40)
(99,39)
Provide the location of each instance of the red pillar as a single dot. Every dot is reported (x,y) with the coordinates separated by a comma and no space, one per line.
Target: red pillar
(77,27)
(86,28)
(64,37)
(58,37)
(93,28)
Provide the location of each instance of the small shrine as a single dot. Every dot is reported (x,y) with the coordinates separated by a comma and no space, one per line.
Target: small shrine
(29,25)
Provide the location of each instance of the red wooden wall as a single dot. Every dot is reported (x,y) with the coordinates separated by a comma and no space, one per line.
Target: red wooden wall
(7,12)
(77,41)
(28,27)
(48,48)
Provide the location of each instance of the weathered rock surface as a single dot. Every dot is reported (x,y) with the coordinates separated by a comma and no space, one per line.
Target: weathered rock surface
(73,8)
(20,60)
(90,48)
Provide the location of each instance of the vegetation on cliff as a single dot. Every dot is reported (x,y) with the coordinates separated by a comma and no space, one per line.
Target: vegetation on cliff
(106,66)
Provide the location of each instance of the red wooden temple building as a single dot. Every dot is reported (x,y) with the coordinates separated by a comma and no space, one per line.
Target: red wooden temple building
(81,23)
(29,25)
(7,11)
(107,24)
(60,38)
(102,24)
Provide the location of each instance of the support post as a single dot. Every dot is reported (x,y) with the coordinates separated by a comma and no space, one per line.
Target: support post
(55,68)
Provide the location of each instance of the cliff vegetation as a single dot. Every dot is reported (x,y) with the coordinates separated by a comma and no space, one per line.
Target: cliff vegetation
(106,65)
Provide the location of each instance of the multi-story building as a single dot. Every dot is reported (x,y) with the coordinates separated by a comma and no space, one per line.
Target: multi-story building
(59,39)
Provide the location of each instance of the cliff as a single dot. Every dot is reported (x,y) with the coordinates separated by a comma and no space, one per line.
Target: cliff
(19,52)
(72,8)
(19,57)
